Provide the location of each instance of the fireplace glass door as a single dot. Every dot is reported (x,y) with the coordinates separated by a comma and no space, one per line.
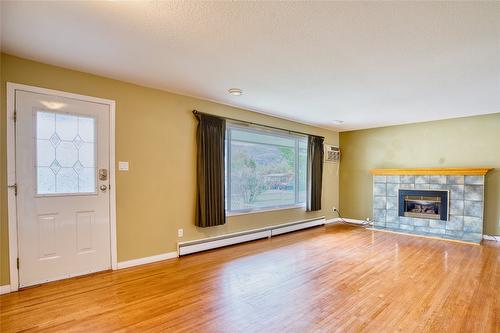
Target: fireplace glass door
(423,204)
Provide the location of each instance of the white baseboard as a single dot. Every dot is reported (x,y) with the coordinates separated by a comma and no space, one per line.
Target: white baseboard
(208,245)
(339,220)
(286,228)
(245,236)
(495,238)
(5,289)
(147,260)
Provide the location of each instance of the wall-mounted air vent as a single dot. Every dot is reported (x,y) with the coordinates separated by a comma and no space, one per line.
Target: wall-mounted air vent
(332,153)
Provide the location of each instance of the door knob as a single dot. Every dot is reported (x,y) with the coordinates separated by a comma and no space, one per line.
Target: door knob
(103,188)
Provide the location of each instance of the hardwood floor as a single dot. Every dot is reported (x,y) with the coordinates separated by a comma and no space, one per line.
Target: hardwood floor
(333,278)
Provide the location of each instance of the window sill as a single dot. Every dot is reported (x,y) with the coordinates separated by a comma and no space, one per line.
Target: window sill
(264,210)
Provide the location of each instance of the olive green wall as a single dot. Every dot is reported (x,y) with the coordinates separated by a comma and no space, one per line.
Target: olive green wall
(461,142)
(155,132)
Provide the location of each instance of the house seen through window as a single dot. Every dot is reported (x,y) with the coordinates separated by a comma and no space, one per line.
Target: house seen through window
(265,169)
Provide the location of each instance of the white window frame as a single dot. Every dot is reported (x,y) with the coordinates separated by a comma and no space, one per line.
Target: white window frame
(260,130)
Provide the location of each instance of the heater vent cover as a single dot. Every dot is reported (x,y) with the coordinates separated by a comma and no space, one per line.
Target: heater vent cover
(332,153)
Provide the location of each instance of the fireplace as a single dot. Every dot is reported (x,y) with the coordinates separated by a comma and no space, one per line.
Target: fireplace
(425,204)
(440,202)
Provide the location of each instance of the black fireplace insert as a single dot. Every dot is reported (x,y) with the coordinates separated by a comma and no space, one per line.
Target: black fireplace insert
(425,204)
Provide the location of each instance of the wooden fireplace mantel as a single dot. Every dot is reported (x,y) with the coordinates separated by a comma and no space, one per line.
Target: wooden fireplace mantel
(432,171)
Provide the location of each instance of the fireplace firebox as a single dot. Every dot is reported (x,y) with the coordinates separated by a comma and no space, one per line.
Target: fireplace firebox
(425,204)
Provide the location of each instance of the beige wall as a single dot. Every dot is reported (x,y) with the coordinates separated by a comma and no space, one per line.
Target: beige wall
(155,132)
(462,142)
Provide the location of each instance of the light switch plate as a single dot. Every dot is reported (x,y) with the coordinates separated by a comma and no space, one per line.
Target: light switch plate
(123,166)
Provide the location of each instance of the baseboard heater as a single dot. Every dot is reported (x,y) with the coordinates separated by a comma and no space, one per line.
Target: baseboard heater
(188,247)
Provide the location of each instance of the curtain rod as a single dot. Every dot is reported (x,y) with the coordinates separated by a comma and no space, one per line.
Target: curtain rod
(195,112)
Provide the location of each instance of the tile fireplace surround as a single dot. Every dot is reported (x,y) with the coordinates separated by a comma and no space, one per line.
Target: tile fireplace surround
(466,201)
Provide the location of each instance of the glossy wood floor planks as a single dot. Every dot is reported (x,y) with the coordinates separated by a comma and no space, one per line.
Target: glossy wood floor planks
(333,278)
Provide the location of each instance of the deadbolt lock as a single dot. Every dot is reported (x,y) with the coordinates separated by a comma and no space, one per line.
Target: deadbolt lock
(103,174)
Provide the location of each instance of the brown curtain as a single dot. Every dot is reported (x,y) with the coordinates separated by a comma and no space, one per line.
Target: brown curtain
(314,172)
(210,203)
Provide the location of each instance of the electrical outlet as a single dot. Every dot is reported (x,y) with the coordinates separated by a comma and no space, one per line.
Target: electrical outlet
(180,232)
(334,209)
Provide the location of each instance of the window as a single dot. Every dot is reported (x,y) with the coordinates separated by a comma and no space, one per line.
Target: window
(65,153)
(265,169)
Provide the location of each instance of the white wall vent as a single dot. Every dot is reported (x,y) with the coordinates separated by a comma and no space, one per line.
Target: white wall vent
(332,153)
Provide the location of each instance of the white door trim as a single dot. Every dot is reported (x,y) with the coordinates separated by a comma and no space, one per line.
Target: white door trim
(11,171)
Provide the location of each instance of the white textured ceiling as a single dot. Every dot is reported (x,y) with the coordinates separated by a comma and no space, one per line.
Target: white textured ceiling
(369,64)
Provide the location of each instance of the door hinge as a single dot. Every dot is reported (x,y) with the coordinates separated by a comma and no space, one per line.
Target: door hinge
(15,115)
(14,186)
(17,263)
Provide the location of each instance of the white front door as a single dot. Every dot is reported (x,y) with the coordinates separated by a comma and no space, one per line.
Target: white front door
(62,173)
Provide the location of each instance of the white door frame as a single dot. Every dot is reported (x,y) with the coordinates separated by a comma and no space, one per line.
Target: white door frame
(11,171)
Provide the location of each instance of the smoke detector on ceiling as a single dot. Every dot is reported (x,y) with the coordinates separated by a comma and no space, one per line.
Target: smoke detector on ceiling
(235,91)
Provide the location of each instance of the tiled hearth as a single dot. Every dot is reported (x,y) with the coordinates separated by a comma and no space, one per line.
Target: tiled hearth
(465,210)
